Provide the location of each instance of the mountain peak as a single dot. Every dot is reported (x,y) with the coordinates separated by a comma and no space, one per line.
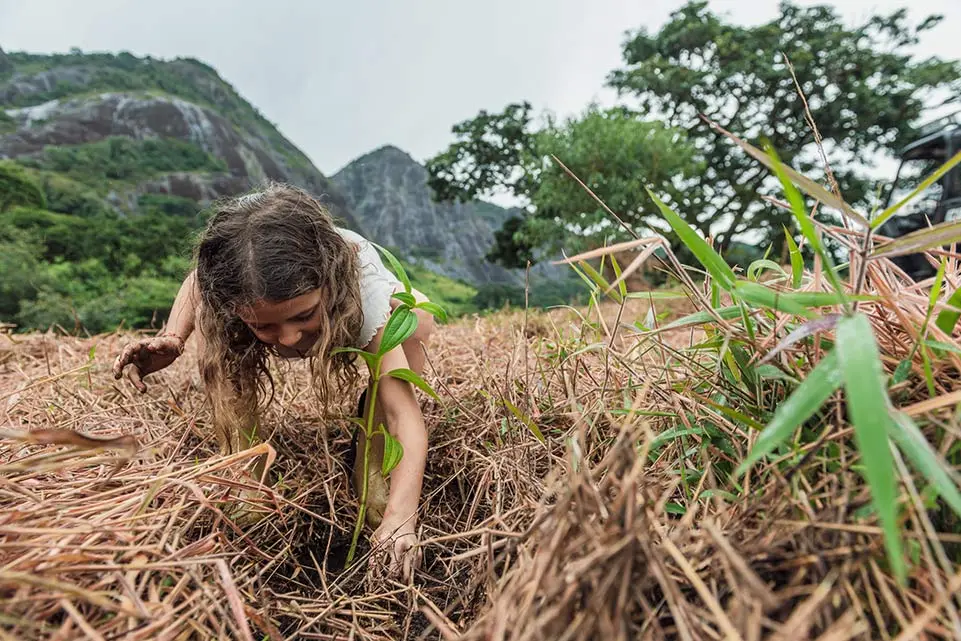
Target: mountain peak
(5,64)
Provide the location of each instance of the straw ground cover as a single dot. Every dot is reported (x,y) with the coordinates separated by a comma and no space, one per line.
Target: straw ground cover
(773,456)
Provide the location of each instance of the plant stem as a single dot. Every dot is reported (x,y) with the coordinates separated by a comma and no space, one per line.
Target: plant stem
(369,433)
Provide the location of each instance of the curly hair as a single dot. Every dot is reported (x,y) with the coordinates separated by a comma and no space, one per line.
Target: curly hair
(272,244)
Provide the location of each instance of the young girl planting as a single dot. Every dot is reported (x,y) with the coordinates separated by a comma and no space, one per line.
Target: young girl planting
(275,276)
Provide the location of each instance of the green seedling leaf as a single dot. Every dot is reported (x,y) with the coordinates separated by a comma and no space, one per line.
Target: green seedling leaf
(761,296)
(412,377)
(755,269)
(802,404)
(393,452)
(675,433)
(395,266)
(948,318)
(797,260)
(405,298)
(927,182)
(400,326)
(925,459)
(526,420)
(708,257)
(434,309)
(918,241)
(371,359)
(942,346)
(860,363)
(92,352)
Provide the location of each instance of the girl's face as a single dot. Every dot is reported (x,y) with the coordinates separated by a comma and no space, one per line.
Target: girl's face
(292,324)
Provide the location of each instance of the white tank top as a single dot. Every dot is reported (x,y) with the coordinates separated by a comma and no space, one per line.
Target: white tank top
(377,285)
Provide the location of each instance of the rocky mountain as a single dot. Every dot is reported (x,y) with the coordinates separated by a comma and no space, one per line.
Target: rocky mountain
(78,100)
(387,192)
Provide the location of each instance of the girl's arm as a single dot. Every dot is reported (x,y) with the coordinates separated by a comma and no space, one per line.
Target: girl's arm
(405,422)
(184,311)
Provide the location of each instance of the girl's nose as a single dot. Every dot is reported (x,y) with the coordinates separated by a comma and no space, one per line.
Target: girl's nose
(289,337)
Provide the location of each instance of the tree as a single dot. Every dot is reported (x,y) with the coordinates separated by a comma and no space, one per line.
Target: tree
(864,89)
(863,86)
(611,151)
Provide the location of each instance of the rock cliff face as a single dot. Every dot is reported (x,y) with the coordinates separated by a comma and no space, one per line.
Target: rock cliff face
(387,192)
(83,99)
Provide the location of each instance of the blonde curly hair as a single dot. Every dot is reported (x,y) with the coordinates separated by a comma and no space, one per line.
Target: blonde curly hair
(273,244)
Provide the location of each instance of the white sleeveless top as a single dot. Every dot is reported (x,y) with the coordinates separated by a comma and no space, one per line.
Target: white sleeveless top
(377,285)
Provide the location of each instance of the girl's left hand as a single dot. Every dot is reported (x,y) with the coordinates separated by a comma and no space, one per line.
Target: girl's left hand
(397,543)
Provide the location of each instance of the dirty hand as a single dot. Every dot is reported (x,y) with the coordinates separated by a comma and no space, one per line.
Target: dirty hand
(397,543)
(146,356)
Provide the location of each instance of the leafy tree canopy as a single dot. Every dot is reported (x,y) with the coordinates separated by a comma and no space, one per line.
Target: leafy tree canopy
(864,87)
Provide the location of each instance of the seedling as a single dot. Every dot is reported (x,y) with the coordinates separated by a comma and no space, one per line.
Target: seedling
(400,326)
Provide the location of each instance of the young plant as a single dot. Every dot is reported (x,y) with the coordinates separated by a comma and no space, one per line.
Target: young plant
(400,326)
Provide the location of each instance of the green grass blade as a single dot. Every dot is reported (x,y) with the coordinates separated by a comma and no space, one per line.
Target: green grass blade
(600,281)
(699,318)
(927,182)
(412,377)
(810,395)
(761,265)
(621,285)
(926,460)
(948,318)
(526,420)
(797,260)
(918,241)
(708,257)
(860,364)
(813,189)
(761,296)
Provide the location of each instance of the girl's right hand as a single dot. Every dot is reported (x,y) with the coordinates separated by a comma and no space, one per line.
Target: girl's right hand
(147,356)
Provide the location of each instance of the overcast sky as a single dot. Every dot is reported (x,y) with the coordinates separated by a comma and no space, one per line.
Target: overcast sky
(342,78)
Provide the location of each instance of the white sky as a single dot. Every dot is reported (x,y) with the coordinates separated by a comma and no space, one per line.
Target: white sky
(342,78)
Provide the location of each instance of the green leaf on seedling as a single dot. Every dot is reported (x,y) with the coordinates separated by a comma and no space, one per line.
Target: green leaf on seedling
(405,298)
(675,508)
(860,363)
(369,358)
(621,285)
(395,266)
(927,182)
(400,326)
(411,376)
(708,257)
(434,309)
(92,352)
(393,452)
(526,420)
(901,372)
(600,281)
(699,318)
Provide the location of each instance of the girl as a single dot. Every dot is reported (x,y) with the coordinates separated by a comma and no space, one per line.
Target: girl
(274,275)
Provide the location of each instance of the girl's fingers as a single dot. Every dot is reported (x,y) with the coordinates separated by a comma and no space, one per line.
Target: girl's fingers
(134,375)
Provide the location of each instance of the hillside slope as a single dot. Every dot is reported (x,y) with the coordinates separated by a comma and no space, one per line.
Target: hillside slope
(387,191)
(82,99)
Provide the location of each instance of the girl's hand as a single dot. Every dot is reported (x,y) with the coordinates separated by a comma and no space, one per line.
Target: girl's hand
(147,356)
(397,543)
